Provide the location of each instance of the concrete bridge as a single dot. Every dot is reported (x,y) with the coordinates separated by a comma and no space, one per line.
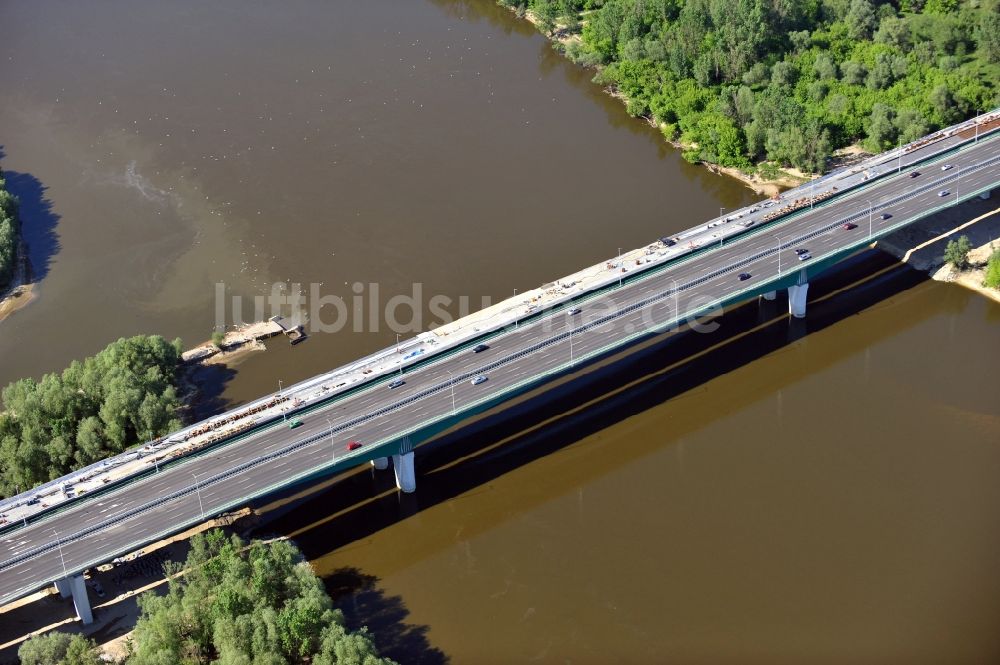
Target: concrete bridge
(588,316)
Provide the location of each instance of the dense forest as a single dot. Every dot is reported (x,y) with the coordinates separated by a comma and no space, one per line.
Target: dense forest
(764,83)
(9,229)
(235,604)
(124,395)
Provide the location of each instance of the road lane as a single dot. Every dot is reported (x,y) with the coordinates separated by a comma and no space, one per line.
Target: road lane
(15,579)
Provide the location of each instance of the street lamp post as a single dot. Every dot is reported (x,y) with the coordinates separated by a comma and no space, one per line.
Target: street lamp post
(870,213)
(778,238)
(620,266)
(452,378)
(397,344)
(61,557)
(284,416)
(571,360)
(899,149)
(333,448)
(197,488)
(156,462)
(515,309)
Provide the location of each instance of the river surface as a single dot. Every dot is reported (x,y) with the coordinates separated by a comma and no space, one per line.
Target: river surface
(833,499)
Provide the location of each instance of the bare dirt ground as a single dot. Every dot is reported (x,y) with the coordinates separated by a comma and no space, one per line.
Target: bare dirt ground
(21,291)
(922,244)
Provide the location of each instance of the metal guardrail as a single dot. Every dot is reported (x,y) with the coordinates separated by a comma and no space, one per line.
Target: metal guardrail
(476,403)
(126,456)
(526,351)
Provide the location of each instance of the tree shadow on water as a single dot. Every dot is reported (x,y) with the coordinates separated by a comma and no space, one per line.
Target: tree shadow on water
(38,221)
(363,603)
(208,384)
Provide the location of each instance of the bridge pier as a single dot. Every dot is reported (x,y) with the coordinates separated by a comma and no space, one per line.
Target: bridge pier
(797,300)
(63,587)
(770,295)
(77,587)
(381,463)
(80,600)
(406,477)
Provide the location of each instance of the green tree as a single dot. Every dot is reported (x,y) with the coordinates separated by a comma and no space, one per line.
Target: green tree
(9,233)
(124,395)
(247,604)
(881,130)
(770,68)
(860,19)
(57,648)
(957,252)
(546,12)
(992,277)
(988,34)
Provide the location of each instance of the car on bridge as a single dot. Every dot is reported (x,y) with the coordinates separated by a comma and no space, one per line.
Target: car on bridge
(849,225)
(944,192)
(575,310)
(397,383)
(744,276)
(353,445)
(293,423)
(805,256)
(479,379)
(946,167)
(801,250)
(915,174)
(885,215)
(479,348)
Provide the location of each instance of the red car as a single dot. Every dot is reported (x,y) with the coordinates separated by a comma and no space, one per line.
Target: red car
(850,225)
(353,445)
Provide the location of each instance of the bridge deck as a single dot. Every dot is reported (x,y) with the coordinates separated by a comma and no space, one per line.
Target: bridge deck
(438,390)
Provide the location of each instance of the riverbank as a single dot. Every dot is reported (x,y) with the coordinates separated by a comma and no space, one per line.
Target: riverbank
(21,290)
(922,244)
(17,298)
(773,183)
(972,277)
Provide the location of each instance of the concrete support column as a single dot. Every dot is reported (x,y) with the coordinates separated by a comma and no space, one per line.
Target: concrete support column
(986,195)
(797,300)
(80,600)
(406,477)
(770,295)
(63,587)
(381,463)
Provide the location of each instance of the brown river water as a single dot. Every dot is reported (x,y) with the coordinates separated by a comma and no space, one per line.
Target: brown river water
(786,497)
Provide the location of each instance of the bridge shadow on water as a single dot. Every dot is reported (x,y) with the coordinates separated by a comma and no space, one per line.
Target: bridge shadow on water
(332,514)
(38,221)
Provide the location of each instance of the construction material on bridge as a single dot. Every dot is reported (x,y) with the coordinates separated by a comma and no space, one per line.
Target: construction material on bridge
(560,293)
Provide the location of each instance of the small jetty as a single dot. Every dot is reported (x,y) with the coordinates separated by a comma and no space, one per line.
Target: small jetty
(294,333)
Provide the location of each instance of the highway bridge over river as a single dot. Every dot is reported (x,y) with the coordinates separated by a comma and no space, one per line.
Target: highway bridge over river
(732,259)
